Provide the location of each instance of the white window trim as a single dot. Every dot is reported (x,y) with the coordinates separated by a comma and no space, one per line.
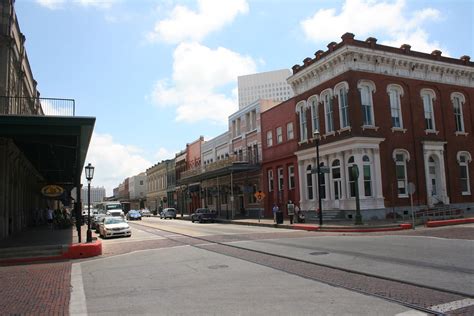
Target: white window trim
(292,131)
(270,180)
(406,155)
(432,96)
(281,179)
(300,109)
(462,100)
(397,88)
(469,160)
(270,139)
(314,109)
(372,89)
(291,175)
(328,92)
(337,89)
(280,128)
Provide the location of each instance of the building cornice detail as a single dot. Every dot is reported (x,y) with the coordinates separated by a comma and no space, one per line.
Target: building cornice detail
(355,58)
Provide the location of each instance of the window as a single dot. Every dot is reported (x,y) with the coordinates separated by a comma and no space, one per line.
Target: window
(238,127)
(309,182)
(302,118)
(270,180)
(279,135)
(291,177)
(314,112)
(251,197)
(280,179)
(463,159)
(401,157)
(269,139)
(248,122)
(289,131)
(428,95)
(394,93)
(352,184)
(336,179)
(458,100)
(366,88)
(367,176)
(341,90)
(326,96)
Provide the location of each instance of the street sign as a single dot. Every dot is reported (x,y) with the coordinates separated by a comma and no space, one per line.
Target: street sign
(411,188)
(259,195)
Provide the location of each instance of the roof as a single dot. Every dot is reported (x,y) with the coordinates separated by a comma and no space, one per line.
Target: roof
(56,146)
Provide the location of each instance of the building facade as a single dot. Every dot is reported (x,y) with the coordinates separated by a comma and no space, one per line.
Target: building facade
(157,186)
(279,162)
(400,117)
(97,195)
(269,85)
(137,189)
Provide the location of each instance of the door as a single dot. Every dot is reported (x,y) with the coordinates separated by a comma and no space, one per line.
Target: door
(433,182)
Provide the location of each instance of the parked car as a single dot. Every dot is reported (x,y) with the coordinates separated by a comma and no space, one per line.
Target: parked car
(168,213)
(134,215)
(95,221)
(203,215)
(114,226)
(145,212)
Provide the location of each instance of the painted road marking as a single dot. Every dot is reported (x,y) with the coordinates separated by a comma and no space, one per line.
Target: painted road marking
(77,304)
(451,306)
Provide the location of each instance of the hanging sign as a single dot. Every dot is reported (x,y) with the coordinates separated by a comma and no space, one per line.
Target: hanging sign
(52,190)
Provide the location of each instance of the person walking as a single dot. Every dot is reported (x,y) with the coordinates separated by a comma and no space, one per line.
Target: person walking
(275,210)
(290,208)
(49,217)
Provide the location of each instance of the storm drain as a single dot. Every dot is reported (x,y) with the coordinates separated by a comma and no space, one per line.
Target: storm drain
(319,253)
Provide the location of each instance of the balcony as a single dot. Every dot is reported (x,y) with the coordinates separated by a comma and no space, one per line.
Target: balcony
(10,105)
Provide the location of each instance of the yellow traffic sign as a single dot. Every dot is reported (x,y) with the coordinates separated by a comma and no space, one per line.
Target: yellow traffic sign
(259,195)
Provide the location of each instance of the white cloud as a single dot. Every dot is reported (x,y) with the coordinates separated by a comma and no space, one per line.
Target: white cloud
(164,154)
(184,24)
(51,4)
(113,161)
(198,74)
(371,17)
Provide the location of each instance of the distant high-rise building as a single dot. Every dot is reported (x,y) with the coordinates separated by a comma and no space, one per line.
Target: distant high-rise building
(270,85)
(97,194)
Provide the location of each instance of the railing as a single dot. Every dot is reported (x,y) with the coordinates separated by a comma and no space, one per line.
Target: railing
(10,105)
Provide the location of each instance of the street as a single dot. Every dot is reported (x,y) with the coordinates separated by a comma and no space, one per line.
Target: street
(171,267)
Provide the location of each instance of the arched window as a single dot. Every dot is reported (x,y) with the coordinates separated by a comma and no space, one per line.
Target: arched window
(336,178)
(395,92)
(400,157)
(301,110)
(326,97)
(313,101)
(428,96)
(309,182)
(458,100)
(341,90)
(351,179)
(366,89)
(464,158)
(367,175)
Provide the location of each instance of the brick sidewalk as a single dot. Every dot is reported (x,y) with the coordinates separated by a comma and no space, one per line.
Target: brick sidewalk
(39,289)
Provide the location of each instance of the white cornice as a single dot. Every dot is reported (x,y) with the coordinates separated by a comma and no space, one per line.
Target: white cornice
(380,62)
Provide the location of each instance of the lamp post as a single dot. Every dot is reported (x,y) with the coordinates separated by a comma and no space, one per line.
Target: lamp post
(317,138)
(89,175)
(355,174)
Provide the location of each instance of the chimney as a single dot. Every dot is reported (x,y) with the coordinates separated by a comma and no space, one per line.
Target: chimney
(331,46)
(436,53)
(347,38)
(296,68)
(307,61)
(318,54)
(371,41)
(405,48)
(465,59)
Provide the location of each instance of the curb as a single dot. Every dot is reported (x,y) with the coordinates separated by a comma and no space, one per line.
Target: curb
(448,222)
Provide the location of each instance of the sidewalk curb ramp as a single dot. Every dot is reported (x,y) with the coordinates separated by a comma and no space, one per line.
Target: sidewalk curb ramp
(448,222)
(24,255)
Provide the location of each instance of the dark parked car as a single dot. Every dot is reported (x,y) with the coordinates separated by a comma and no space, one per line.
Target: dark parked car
(203,215)
(168,213)
(134,215)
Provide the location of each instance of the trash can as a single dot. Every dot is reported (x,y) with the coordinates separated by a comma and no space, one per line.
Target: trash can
(279,217)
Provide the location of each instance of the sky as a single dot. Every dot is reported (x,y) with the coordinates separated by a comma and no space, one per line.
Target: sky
(159,74)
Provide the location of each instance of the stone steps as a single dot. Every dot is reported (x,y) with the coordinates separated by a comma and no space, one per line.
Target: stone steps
(36,251)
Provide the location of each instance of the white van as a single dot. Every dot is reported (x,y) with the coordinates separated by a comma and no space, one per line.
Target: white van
(110,208)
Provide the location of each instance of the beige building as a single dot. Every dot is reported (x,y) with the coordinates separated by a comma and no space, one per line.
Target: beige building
(157,184)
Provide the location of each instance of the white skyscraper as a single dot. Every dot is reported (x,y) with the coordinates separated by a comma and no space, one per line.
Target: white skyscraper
(266,85)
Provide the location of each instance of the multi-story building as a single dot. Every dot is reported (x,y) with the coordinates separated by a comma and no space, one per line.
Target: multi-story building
(279,162)
(157,178)
(97,195)
(137,189)
(269,85)
(181,189)
(401,117)
(171,193)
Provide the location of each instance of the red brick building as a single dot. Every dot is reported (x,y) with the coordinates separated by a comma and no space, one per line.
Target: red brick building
(279,163)
(401,116)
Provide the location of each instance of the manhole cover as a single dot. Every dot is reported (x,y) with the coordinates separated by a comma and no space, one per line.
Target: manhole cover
(218,266)
(319,253)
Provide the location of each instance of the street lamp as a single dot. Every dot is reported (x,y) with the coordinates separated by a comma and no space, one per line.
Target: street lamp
(89,175)
(355,174)
(317,138)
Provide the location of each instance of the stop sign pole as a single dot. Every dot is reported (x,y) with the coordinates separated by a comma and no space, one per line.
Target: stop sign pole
(411,190)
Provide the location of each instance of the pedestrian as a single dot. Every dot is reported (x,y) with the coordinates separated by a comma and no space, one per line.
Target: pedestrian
(275,210)
(290,208)
(49,217)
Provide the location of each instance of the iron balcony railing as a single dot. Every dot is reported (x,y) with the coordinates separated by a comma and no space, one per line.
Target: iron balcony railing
(12,105)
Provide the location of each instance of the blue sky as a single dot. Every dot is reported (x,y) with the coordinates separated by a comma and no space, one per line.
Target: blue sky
(158,74)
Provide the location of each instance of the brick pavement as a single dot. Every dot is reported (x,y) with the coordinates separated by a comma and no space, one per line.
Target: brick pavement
(38,289)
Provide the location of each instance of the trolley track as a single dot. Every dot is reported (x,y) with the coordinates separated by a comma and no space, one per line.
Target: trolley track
(431,300)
